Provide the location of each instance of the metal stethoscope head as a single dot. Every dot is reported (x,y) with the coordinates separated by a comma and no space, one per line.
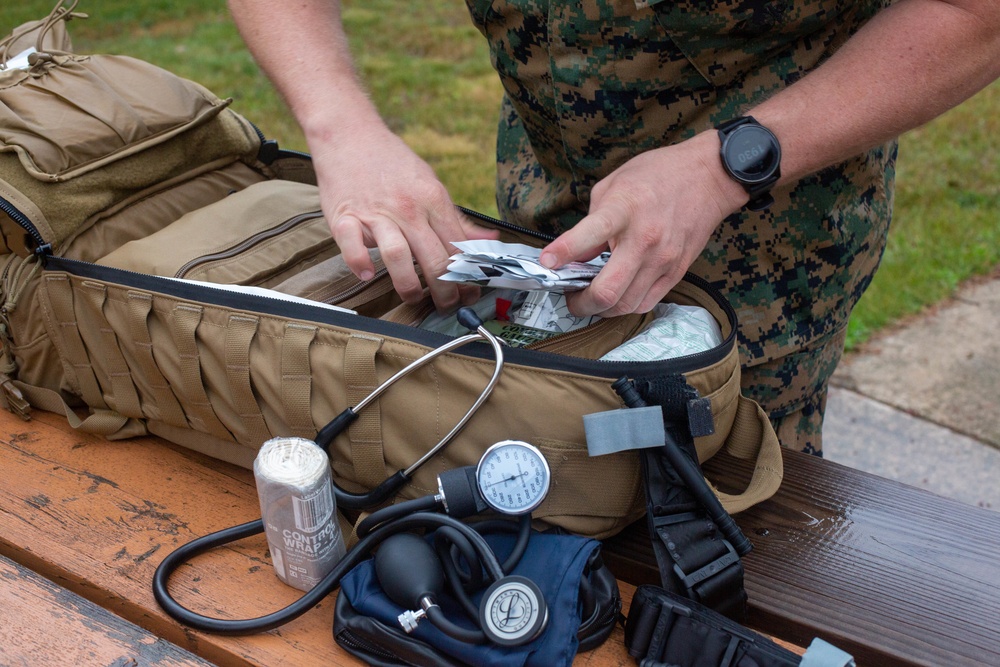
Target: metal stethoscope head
(387,488)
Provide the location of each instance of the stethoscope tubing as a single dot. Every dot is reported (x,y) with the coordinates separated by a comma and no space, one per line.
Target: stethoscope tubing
(328,584)
(388,487)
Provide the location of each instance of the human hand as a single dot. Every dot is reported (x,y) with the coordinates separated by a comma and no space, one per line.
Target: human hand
(656,213)
(377,193)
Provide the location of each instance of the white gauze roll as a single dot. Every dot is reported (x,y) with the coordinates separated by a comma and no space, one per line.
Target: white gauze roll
(297,505)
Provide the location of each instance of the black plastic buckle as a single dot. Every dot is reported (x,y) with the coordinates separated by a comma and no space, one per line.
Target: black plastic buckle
(716,567)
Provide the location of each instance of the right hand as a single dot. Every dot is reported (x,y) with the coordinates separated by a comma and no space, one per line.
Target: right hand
(377,193)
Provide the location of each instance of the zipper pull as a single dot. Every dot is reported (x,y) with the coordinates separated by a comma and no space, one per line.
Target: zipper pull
(268,151)
(43,252)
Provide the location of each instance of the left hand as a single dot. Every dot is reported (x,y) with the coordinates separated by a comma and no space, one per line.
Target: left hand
(656,213)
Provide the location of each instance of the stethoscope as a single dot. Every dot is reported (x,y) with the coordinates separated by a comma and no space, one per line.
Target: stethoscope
(391,485)
(512,478)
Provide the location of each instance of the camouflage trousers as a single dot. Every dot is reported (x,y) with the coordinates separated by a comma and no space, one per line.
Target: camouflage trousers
(793,391)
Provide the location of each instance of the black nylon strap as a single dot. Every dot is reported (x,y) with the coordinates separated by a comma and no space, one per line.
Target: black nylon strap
(693,557)
(692,554)
(666,630)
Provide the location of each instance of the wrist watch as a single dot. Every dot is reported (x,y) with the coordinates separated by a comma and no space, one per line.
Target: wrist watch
(751,155)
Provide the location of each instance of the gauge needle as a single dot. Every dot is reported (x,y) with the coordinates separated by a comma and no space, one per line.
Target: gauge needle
(508,479)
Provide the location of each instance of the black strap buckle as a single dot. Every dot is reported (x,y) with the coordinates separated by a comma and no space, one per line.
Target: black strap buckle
(693,582)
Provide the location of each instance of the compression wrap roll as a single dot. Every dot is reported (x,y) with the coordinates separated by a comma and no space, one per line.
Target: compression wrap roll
(299,511)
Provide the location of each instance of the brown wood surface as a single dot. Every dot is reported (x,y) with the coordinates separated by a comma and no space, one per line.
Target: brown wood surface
(96,517)
(892,574)
(44,624)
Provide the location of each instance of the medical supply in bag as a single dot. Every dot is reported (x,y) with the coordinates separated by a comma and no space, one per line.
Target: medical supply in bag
(97,220)
(482,591)
(548,311)
(518,317)
(299,511)
(677,331)
(515,265)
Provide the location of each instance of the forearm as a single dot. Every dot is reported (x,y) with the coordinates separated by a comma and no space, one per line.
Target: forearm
(376,192)
(910,63)
(303,49)
(657,211)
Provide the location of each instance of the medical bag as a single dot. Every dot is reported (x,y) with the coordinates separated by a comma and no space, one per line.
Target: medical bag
(168,270)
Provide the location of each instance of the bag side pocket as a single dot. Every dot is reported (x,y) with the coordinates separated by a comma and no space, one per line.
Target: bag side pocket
(332,282)
(258,236)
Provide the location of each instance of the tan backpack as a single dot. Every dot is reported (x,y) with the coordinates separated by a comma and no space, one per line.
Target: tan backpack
(118,178)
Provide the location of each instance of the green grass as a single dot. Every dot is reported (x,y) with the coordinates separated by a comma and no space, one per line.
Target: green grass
(428,71)
(946,219)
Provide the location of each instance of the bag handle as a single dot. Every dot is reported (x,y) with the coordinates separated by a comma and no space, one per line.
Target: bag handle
(753,437)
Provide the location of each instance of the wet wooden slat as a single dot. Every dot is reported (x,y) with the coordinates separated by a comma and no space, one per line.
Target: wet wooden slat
(97,517)
(890,573)
(44,624)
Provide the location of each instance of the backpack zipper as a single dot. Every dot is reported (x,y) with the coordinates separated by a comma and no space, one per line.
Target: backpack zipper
(354,290)
(41,247)
(247,243)
(509,226)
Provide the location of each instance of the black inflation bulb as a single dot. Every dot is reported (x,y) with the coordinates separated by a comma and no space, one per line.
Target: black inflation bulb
(408,570)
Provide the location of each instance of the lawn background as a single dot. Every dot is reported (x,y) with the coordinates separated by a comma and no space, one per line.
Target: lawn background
(428,71)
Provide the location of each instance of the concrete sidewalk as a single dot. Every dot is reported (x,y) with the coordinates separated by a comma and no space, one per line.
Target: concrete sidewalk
(921,403)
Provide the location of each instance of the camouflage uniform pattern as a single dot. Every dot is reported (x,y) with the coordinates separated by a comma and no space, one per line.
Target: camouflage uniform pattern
(591,84)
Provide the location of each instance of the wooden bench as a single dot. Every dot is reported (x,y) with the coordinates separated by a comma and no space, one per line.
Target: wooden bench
(892,574)
(96,517)
(47,625)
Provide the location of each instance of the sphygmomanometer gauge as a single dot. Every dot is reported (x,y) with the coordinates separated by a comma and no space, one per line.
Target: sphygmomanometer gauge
(513,477)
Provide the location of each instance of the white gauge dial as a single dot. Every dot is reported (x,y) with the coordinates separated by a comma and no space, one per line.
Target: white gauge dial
(513,477)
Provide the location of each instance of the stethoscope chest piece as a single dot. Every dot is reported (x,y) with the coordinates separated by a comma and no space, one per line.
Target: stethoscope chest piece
(513,611)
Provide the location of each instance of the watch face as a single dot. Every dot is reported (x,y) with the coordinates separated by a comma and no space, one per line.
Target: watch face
(751,153)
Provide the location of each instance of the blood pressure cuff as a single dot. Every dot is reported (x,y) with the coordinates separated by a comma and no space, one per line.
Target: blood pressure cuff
(666,630)
(581,593)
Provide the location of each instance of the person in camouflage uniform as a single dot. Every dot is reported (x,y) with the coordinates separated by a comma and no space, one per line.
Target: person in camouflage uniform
(606,139)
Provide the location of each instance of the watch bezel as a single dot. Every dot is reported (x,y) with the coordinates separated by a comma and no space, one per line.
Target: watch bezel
(743,177)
